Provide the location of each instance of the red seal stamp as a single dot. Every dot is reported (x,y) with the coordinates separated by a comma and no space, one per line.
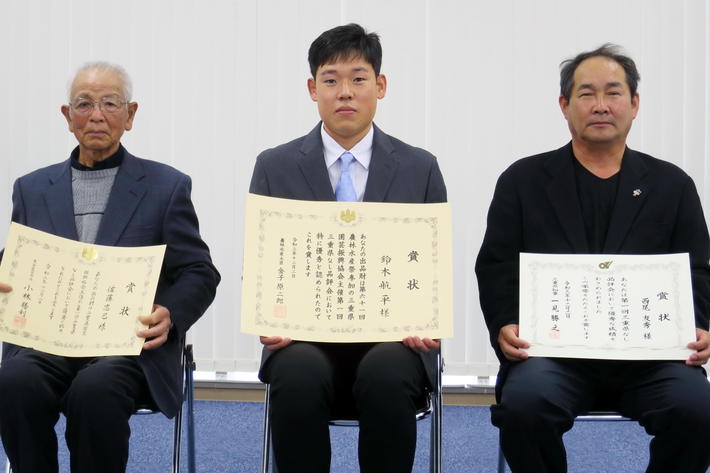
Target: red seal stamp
(280,311)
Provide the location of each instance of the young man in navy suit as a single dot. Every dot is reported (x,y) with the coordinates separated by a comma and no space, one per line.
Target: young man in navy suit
(379,383)
(103,194)
(595,195)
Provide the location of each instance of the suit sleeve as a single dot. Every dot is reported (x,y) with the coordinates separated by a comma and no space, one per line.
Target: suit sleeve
(436,189)
(690,234)
(18,204)
(498,262)
(259,182)
(189,279)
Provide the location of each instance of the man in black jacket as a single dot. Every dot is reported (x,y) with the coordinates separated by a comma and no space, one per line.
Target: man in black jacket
(595,195)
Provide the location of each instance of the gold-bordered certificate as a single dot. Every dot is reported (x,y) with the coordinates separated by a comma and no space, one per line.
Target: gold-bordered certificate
(346,271)
(629,307)
(75,299)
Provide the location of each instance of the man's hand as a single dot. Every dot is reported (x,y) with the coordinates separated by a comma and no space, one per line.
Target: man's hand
(701,345)
(421,345)
(510,344)
(159,324)
(5,287)
(275,343)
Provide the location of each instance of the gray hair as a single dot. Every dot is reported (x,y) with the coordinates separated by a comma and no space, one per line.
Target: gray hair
(103,66)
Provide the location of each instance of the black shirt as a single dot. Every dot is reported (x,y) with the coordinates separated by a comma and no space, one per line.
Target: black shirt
(112,161)
(596,198)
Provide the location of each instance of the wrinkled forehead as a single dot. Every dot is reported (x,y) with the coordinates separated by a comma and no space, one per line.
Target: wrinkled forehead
(599,69)
(96,84)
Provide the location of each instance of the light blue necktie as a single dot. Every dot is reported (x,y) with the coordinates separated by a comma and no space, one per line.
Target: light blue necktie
(345,191)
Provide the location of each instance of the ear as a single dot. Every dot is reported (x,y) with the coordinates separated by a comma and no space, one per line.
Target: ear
(564,103)
(381,86)
(132,108)
(635,104)
(312,89)
(65,112)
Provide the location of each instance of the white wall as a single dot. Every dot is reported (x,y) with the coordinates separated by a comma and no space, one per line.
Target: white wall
(475,82)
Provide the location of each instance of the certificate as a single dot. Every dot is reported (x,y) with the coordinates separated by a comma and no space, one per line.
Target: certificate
(75,299)
(346,271)
(626,307)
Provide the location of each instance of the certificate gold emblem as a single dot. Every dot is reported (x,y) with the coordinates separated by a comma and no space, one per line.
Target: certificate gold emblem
(89,253)
(348,216)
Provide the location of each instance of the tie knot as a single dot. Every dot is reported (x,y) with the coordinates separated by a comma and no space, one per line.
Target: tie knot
(347,158)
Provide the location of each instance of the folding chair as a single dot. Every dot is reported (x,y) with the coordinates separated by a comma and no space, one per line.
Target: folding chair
(591,416)
(187,364)
(188,367)
(433,408)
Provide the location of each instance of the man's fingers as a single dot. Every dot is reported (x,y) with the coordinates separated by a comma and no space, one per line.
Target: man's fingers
(422,345)
(274,343)
(269,340)
(512,352)
(155,342)
(699,358)
(154,331)
(702,348)
(508,336)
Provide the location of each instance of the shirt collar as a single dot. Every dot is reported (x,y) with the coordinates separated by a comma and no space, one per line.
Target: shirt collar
(362,149)
(112,161)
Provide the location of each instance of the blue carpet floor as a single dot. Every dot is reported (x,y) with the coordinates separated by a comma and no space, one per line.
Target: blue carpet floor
(229,441)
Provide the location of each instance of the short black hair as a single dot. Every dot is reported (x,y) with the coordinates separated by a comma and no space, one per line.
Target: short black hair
(608,50)
(345,42)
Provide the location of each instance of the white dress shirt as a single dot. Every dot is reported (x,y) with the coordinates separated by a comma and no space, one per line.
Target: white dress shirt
(359,168)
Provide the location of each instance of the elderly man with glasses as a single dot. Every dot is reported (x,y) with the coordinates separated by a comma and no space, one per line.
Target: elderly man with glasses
(102,194)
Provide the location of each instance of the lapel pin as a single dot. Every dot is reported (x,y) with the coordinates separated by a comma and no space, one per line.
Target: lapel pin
(637,192)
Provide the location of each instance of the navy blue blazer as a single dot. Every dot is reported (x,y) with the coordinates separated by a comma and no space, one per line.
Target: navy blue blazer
(535,208)
(149,204)
(398,173)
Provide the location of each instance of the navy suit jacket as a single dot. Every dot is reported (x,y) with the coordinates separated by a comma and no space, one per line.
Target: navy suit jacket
(535,208)
(398,173)
(149,204)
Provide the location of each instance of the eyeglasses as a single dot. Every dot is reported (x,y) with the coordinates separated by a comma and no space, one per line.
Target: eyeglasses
(84,106)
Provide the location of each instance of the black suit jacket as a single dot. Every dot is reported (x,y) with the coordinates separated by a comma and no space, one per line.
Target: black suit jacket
(398,173)
(535,208)
(149,204)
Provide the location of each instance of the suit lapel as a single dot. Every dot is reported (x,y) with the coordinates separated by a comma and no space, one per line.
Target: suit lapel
(312,165)
(562,192)
(60,203)
(630,197)
(127,191)
(383,167)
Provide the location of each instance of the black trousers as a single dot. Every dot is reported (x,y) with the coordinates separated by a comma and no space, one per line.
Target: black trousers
(379,384)
(97,396)
(541,397)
